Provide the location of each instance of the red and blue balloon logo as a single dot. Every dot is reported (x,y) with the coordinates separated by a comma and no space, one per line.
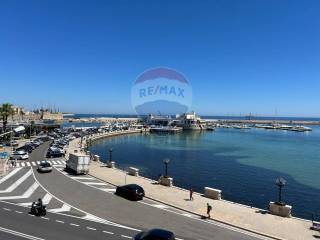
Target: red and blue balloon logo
(161,91)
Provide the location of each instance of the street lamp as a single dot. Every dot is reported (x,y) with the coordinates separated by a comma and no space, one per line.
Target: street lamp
(110,154)
(280,182)
(166,162)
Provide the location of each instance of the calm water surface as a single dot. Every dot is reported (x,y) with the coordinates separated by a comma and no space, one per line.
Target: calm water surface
(242,163)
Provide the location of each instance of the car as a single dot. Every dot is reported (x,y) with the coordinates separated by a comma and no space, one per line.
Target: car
(130,191)
(26,148)
(54,154)
(155,234)
(19,155)
(44,166)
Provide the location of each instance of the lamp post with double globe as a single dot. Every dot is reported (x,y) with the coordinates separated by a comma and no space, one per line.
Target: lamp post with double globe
(166,162)
(280,182)
(110,155)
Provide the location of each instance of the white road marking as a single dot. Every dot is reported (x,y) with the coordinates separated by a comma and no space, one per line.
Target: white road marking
(108,232)
(7,209)
(160,206)
(45,218)
(17,164)
(26,204)
(23,235)
(187,215)
(95,183)
(124,236)
(90,228)
(28,164)
(17,183)
(64,208)
(38,162)
(19,212)
(27,193)
(33,164)
(13,172)
(108,189)
(54,162)
(73,224)
(59,221)
(47,198)
(83,178)
(23,164)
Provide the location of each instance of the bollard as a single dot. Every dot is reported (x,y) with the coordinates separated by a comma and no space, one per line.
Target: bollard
(212,193)
(280,210)
(133,171)
(166,181)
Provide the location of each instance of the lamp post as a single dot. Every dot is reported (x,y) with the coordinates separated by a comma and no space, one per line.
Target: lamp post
(280,182)
(166,162)
(110,154)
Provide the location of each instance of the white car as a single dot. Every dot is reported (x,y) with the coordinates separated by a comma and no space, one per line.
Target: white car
(44,166)
(20,155)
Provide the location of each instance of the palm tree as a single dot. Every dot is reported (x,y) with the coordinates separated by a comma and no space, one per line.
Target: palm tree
(6,110)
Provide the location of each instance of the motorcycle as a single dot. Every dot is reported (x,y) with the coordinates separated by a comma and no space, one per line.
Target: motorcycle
(37,210)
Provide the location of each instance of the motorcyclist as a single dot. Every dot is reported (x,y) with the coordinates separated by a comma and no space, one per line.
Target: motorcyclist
(39,205)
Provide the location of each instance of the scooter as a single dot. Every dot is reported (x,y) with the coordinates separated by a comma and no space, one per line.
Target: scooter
(38,211)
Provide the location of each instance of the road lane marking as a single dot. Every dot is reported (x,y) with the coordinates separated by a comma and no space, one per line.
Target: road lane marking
(47,198)
(88,216)
(13,172)
(27,193)
(22,164)
(7,209)
(108,232)
(33,164)
(108,189)
(54,162)
(17,183)
(95,183)
(59,221)
(28,164)
(83,178)
(45,218)
(18,212)
(125,236)
(38,162)
(90,228)
(64,208)
(23,235)
(160,206)
(73,224)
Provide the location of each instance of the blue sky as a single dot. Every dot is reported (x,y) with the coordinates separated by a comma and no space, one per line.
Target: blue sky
(239,56)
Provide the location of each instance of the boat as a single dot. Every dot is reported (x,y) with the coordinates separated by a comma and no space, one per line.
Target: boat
(301,129)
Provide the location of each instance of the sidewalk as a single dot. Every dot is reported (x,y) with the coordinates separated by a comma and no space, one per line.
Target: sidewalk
(224,211)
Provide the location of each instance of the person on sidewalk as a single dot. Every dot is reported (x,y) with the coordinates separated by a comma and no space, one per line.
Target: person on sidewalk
(209,208)
(191,194)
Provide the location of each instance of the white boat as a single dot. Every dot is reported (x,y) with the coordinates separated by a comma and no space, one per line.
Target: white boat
(301,129)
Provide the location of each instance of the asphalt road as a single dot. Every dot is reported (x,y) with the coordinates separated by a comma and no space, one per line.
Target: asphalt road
(16,224)
(134,214)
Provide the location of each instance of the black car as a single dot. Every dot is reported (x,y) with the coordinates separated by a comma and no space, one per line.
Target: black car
(131,191)
(54,154)
(155,234)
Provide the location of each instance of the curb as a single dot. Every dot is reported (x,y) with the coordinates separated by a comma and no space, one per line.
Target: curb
(194,213)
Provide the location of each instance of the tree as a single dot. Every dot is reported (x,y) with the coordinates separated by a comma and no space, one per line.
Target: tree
(6,110)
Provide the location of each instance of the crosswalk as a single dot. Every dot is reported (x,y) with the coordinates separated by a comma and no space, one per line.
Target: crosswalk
(19,164)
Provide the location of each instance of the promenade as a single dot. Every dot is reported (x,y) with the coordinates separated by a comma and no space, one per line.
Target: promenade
(252,219)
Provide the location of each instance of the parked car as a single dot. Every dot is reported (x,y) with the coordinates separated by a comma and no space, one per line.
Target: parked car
(26,148)
(20,155)
(155,234)
(130,191)
(44,166)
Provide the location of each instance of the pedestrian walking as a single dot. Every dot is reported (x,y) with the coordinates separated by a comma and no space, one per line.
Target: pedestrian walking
(191,194)
(209,208)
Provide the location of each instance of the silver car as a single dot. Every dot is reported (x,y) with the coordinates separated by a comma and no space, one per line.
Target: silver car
(44,166)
